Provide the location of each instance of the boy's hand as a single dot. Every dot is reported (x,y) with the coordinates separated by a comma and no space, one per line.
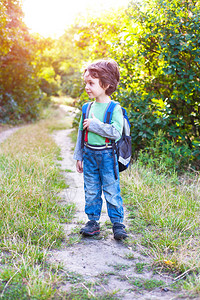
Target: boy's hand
(86,123)
(79,166)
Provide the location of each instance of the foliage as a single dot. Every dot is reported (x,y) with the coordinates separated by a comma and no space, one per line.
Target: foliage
(159,62)
(99,34)
(63,65)
(19,91)
(165,156)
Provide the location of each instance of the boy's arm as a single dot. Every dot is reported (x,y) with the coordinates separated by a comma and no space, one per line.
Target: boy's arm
(112,131)
(105,130)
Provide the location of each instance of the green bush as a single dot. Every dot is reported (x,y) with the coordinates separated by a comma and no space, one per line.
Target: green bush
(165,155)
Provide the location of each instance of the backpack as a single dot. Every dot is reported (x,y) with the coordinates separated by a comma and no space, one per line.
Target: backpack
(123,146)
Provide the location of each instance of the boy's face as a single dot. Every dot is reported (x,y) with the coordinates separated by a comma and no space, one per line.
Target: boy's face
(93,87)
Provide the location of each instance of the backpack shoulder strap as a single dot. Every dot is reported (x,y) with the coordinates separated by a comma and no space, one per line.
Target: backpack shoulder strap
(85,109)
(109,112)
(125,116)
(107,119)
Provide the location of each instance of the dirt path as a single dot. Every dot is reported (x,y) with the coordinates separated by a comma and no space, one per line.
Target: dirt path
(109,265)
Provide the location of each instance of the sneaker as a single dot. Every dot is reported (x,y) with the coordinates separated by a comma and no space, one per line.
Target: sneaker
(91,228)
(119,231)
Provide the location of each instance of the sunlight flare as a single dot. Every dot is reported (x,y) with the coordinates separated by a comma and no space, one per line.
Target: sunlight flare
(52,17)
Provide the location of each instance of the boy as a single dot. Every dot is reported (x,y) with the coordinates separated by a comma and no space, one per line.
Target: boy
(96,159)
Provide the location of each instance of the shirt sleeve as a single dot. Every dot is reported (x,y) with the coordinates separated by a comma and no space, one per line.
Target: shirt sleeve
(81,122)
(78,152)
(112,131)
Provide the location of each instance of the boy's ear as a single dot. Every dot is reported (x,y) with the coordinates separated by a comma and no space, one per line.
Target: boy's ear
(106,87)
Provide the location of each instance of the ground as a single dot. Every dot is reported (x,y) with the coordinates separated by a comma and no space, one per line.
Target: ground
(100,265)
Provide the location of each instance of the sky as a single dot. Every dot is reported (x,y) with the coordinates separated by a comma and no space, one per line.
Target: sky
(51,17)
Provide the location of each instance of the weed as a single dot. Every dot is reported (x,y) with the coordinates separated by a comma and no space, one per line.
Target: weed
(109,273)
(68,171)
(108,296)
(56,118)
(75,230)
(130,256)
(108,224)
(80,222)
(139,267)
(105,231)
(136,282)
(120,267)
(103,281)
(73,239)
(77,293)
(26,283)
(103,278)
(84,293)
(71,277)
(147,284)
(151,284)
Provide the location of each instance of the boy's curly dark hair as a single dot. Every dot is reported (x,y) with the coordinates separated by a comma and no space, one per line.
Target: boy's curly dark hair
(108,73)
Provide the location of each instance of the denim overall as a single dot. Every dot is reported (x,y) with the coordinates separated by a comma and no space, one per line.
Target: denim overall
(99,176)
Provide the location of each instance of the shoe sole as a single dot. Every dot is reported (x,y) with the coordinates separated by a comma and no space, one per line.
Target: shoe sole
(90,233)
(120,237)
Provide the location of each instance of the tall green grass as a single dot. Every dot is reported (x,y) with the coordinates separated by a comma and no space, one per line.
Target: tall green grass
(31,216)
(164,217)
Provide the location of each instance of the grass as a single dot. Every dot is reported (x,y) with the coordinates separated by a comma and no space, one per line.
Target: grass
(31,216)
(164,215)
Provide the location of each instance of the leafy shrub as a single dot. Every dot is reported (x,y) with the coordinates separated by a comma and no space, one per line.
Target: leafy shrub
(146,119)
(165,155)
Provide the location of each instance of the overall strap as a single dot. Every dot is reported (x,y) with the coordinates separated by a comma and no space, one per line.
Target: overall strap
(85,112)
(86,109)
(107,119)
